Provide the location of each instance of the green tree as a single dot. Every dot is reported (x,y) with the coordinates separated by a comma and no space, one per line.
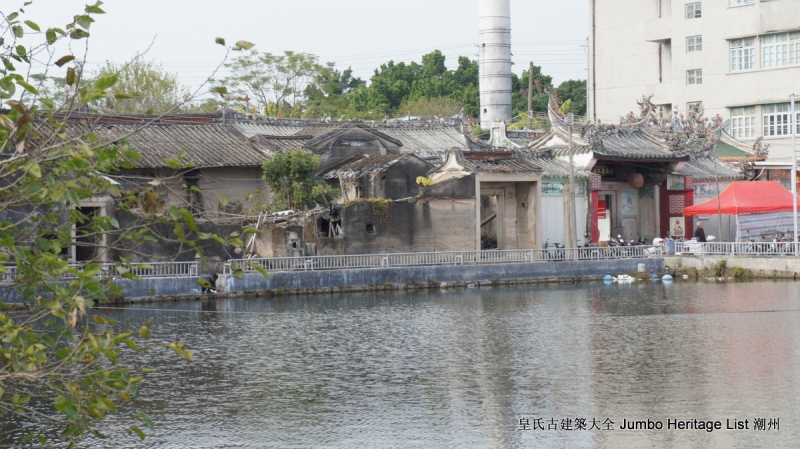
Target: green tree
(429,107)
(275,83)
(290,177)
(396,85)
(327,94)
(142,87)
(519,89)
(574,90)
(62,367)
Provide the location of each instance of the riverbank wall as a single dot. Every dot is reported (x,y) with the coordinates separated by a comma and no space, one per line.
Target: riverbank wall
(777,267)
(437,276)
(376,279)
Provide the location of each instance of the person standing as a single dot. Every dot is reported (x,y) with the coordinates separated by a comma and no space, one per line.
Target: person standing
(700,233)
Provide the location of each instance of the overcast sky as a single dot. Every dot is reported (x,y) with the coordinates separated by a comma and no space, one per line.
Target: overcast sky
(358,33)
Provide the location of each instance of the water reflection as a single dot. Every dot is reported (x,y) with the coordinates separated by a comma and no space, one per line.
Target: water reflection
(460,368)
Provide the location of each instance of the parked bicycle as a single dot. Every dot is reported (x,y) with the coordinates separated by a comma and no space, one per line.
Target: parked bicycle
(554,254)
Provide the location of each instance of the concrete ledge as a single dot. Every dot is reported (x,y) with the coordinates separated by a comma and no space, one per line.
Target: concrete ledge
(376,279)
(766,267)
(418,277)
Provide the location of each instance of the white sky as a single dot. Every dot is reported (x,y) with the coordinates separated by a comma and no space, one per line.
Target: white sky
(358,33)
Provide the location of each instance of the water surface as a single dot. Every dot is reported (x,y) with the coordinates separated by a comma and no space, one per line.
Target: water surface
(460,368)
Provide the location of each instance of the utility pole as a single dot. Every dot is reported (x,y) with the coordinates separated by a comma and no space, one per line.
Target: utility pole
(572,227)
(793,122)
(530,96)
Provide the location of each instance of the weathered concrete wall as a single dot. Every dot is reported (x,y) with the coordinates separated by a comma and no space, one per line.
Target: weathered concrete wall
(235,183)
(463,187)
(281,241)
(756,266)
(461,273)
(401,178)
(144,288)
(308,280)
(166,248)
(419,226)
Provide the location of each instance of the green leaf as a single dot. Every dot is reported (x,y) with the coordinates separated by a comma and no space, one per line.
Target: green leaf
(33,25)
(18,31)
(222,90)
(238,273)
(245,45)
(50,34)
(189,219)
(70,76)
(181,351)
(122,96)
(138,432)
(144,331)
(146,420)
(13,16)
(64,59)
(84,21)
(28,87)
(220,41)
(94,9)
(77,33)
(259,268)
(106,81)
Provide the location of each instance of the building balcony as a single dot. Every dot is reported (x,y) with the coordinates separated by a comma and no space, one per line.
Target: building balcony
(658,30)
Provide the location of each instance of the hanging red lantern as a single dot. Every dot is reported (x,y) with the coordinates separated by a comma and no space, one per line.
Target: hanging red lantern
(636,180)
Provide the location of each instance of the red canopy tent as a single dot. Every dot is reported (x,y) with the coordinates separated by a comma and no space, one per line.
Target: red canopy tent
(746,198)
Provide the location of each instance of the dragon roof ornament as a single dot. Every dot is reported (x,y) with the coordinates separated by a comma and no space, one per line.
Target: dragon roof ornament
(693,133)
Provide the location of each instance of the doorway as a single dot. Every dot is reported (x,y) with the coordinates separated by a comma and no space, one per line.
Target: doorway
(87,241)
(492,213)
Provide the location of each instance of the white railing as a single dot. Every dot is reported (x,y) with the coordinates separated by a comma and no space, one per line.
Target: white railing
(737,249)
(315,263)
(142,270)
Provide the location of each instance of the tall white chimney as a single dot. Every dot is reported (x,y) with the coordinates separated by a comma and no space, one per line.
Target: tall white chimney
(495,61)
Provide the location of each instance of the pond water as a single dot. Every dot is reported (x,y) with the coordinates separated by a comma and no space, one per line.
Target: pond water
(463,368)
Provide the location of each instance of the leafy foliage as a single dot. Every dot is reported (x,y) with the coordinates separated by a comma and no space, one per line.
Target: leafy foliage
(63,366)
(290,178)
(275,83)
(142,87)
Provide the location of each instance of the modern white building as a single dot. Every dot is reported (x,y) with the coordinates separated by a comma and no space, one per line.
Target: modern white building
(739,58)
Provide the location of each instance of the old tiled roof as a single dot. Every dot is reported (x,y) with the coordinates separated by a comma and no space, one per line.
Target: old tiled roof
(255,128)
(496,162)
(722,149)
(206,145)
(620,144)
(429,142)
(323,132)
(280,143)
(702,169)
(362,163)
(554,168)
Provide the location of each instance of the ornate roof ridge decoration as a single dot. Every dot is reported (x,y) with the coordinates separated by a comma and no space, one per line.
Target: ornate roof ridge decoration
(692,134)
(758,150)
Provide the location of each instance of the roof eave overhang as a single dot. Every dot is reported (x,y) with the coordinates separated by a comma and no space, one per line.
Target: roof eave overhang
(603,157)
